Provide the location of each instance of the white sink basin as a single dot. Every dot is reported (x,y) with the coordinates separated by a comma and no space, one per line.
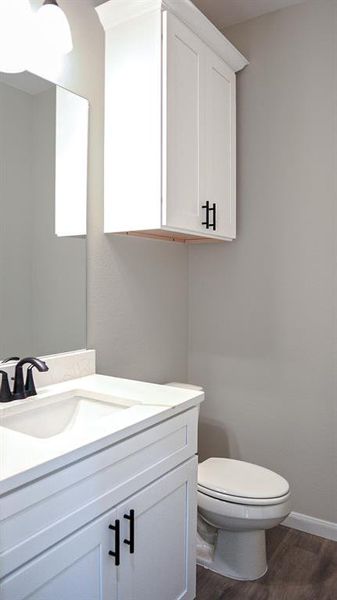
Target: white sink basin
(76,413)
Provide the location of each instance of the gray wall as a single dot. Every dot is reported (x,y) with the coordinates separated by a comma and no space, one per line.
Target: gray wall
(16,220)
(137,289)
(263,309)
(43,277)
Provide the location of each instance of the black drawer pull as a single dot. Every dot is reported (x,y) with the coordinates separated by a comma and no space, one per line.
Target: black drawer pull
(117,553)
(131,542)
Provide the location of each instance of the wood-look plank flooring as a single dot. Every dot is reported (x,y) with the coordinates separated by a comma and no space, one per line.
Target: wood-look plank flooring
(301,567)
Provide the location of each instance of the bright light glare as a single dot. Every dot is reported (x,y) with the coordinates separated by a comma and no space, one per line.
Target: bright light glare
(53,29)
(48,65)
(15,34)
(71,164)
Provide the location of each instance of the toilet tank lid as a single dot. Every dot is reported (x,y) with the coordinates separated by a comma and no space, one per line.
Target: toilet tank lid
(241,479)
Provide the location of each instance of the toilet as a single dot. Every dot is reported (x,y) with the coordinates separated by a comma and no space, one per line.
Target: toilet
(237,502)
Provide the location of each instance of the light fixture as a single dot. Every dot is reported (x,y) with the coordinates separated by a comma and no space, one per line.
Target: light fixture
(53,28)
(15,34)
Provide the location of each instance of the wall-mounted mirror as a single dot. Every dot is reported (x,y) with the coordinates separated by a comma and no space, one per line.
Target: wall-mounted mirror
(43,195)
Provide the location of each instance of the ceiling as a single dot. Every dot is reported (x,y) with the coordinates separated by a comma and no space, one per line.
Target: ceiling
(224,13)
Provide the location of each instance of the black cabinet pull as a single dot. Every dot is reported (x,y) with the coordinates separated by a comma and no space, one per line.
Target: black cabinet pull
(117,553)
(206,208)
(209,210)
(213,210)
(131,542)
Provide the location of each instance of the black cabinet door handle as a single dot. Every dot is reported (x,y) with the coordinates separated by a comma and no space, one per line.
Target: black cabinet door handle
(213,210)
(207,209)
(117,553)
(131,541)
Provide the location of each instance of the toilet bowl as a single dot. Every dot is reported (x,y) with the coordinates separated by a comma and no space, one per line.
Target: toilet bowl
(237,502)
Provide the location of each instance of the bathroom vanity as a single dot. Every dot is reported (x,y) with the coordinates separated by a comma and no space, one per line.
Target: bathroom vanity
(98,492)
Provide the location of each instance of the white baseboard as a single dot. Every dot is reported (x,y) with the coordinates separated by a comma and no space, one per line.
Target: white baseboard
(325,529)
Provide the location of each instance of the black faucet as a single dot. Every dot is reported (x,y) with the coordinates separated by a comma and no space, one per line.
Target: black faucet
(5,390)
(20,390)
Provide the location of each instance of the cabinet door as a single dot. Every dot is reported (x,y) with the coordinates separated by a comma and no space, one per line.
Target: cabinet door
(183,130)
(79,568)
(163,563)
(220,150)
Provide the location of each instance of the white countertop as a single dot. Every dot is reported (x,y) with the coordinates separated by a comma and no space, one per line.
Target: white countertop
(24,458)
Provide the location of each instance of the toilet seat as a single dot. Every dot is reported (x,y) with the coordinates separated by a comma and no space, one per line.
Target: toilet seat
(240,482)
(241,499)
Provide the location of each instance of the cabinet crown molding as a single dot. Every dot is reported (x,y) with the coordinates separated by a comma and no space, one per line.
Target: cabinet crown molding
(115,12)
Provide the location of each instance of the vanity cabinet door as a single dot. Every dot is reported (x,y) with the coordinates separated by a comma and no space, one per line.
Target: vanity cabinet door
(160,563)
(79,568)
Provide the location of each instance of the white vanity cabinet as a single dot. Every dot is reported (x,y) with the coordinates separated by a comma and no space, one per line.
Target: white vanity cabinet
(120,524)
(78,568)
(170,122)
(163,563)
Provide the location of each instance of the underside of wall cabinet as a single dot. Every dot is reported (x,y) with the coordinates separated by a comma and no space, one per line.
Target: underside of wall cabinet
(171,236)
(170,123)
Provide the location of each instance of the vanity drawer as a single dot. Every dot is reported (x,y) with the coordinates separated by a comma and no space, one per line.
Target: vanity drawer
(38,515)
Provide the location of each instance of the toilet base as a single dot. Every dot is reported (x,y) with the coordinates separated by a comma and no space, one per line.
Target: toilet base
(237,554)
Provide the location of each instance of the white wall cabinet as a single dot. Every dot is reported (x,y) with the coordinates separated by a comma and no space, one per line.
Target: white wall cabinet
(119,525)
(170,122)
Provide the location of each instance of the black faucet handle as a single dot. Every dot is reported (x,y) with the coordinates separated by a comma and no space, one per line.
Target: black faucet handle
(6,360)
(30,384)
(5,390)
